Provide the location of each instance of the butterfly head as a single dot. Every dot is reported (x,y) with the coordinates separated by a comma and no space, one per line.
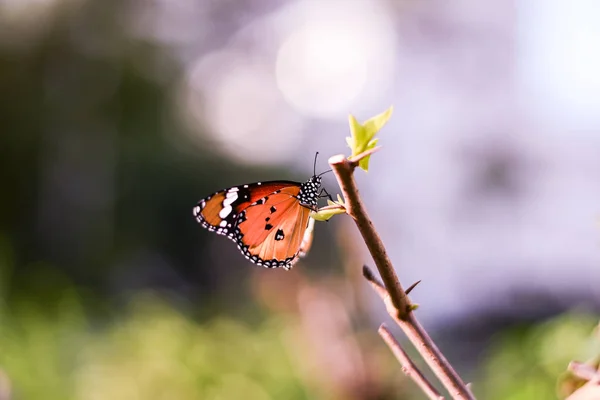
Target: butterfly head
(309,192)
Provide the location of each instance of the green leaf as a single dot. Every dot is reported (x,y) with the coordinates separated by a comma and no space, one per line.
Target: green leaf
(363,135)
(364,163)
(326,214)
(377,122)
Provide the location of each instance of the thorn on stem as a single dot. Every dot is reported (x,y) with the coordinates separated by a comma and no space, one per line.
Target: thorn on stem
(411,287)
(368,274)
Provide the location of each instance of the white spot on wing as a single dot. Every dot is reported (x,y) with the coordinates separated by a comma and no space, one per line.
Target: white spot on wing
(230,198)
(225,211)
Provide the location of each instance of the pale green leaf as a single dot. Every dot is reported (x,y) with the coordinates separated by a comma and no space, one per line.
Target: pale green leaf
(374,125)
(364,162)
(324,215)
(363,135)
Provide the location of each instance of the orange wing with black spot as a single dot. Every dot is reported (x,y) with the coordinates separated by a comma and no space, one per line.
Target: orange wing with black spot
(269,221)
(218,212)
(270,233)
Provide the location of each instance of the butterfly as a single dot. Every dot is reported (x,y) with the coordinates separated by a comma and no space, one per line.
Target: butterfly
(269,221)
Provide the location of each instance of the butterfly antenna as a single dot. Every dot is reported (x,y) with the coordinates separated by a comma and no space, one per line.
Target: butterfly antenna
(315,164)
(323,173)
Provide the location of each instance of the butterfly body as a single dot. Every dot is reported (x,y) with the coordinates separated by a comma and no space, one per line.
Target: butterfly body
(269,221)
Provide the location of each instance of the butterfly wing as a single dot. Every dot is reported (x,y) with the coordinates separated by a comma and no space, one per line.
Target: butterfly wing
(307,238)
(271,231)
(269,221)
(218,212)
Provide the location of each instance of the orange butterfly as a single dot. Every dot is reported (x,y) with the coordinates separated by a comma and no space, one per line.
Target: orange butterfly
(269,221)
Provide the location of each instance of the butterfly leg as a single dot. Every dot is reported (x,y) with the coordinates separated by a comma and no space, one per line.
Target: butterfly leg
(321,195)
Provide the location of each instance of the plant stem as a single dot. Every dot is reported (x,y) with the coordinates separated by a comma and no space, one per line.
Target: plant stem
(343,170)
(408,367)
(584,371)
(401,307)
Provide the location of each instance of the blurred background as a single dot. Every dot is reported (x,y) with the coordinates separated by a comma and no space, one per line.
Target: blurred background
(116,117)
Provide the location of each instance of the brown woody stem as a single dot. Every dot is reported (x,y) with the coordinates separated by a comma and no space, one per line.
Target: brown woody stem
(398,303)
(408,367)
(584,371)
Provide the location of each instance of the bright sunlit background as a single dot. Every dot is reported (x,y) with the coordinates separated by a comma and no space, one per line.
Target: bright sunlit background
(118,116)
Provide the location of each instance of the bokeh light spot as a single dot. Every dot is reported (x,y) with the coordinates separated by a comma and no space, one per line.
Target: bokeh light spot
(242,108)
(333,55)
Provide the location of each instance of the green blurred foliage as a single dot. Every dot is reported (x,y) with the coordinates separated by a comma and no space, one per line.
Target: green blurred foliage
(525,363)
(151,352)
(51,348)
(156,353)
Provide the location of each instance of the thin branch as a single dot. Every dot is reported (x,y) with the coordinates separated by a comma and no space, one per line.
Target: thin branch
(355,159)
(422,342)
(586,392)
(408,367)
(377,286)
(584,371)
(401,307)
